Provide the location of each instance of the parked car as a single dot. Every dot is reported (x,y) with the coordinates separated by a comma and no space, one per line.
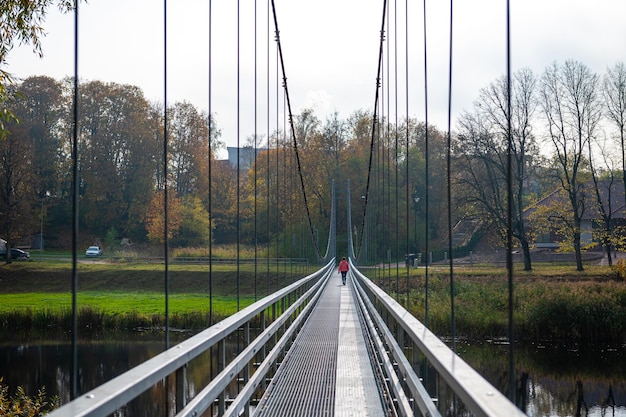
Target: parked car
(93,251)
(16,254)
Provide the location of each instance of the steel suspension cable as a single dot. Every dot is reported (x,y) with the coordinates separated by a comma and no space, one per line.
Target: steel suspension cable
(210,184)
(238,208)
(406,85)
(210,99)
(255,153)
(426,175)
(383,159)
(165,182)
(286,203)
(449,185)
(397,191)
(267,171)
(293,131)
(75,196)
(374,123)
(386,158)
(509,237)
(277,179)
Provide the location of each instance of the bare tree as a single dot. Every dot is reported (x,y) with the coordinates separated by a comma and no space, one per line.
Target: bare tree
(572,110)
(615,102)
(484,145)
(604,189)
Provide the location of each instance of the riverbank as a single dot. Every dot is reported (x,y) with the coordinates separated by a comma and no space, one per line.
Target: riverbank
(553,302)
(550,303)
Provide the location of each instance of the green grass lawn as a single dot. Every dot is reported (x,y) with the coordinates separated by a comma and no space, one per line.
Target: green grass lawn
(550,301)
(120,303)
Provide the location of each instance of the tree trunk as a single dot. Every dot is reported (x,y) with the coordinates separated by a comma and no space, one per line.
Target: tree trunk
(526,254)
(8,246)
(608,254)
(579,257)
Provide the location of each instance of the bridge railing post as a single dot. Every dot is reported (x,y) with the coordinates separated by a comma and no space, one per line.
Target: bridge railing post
(221,364)
(181,388)
(263,351)
(246,372)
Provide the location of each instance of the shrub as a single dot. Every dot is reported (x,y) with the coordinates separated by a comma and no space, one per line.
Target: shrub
(21,405)
(620,267)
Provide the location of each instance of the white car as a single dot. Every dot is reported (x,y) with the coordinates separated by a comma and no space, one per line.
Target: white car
(93,251)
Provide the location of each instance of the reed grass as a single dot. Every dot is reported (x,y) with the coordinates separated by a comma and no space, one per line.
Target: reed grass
(584,307)
(551,302)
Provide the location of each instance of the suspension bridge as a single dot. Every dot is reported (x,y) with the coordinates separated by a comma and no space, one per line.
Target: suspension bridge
(314,347)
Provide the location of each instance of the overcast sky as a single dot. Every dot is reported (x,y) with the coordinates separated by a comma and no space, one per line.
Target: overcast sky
(330,49)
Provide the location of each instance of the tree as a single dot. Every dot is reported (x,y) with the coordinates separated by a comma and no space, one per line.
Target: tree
(553,216)
(615,102)
(189,135)
(117,156)
(223,194)
(17,192)
(39,110)
(571,106)
(20,22)
(194,223)
(482,150)
(604,188)
(155,217)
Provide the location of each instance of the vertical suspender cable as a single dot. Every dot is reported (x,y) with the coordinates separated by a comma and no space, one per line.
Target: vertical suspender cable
(287,108)
(379,199)
(267,171)
(238,156)
(74,377)
(255,153)
(374,118)
(210,190)
(277,174)
(426,175)
(165,185)
(397,191)
(284,189)
(406,86)
(381,144)
(210,172)
(509,237)
(449,186)
(386,169)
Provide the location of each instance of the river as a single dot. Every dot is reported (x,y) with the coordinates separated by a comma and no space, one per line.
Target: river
(557,380)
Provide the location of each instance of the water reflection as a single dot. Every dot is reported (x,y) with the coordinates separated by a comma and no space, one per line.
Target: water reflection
(557,380)
(48,365)
(552,380)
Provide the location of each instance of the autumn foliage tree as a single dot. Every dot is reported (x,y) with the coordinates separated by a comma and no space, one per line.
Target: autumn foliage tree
(155,217)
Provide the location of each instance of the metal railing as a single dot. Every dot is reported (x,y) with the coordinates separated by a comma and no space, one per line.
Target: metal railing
(419,369)
(288,307)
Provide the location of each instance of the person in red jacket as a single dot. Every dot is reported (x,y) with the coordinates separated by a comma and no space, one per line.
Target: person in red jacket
(343,268)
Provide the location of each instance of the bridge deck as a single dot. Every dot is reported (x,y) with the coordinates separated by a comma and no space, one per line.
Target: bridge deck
(327,372)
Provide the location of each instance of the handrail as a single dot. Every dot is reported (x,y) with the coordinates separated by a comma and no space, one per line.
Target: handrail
(373,321)
(469,387)
(112,395)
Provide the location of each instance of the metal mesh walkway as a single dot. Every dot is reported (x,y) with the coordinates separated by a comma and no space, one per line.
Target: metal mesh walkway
(306,382)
